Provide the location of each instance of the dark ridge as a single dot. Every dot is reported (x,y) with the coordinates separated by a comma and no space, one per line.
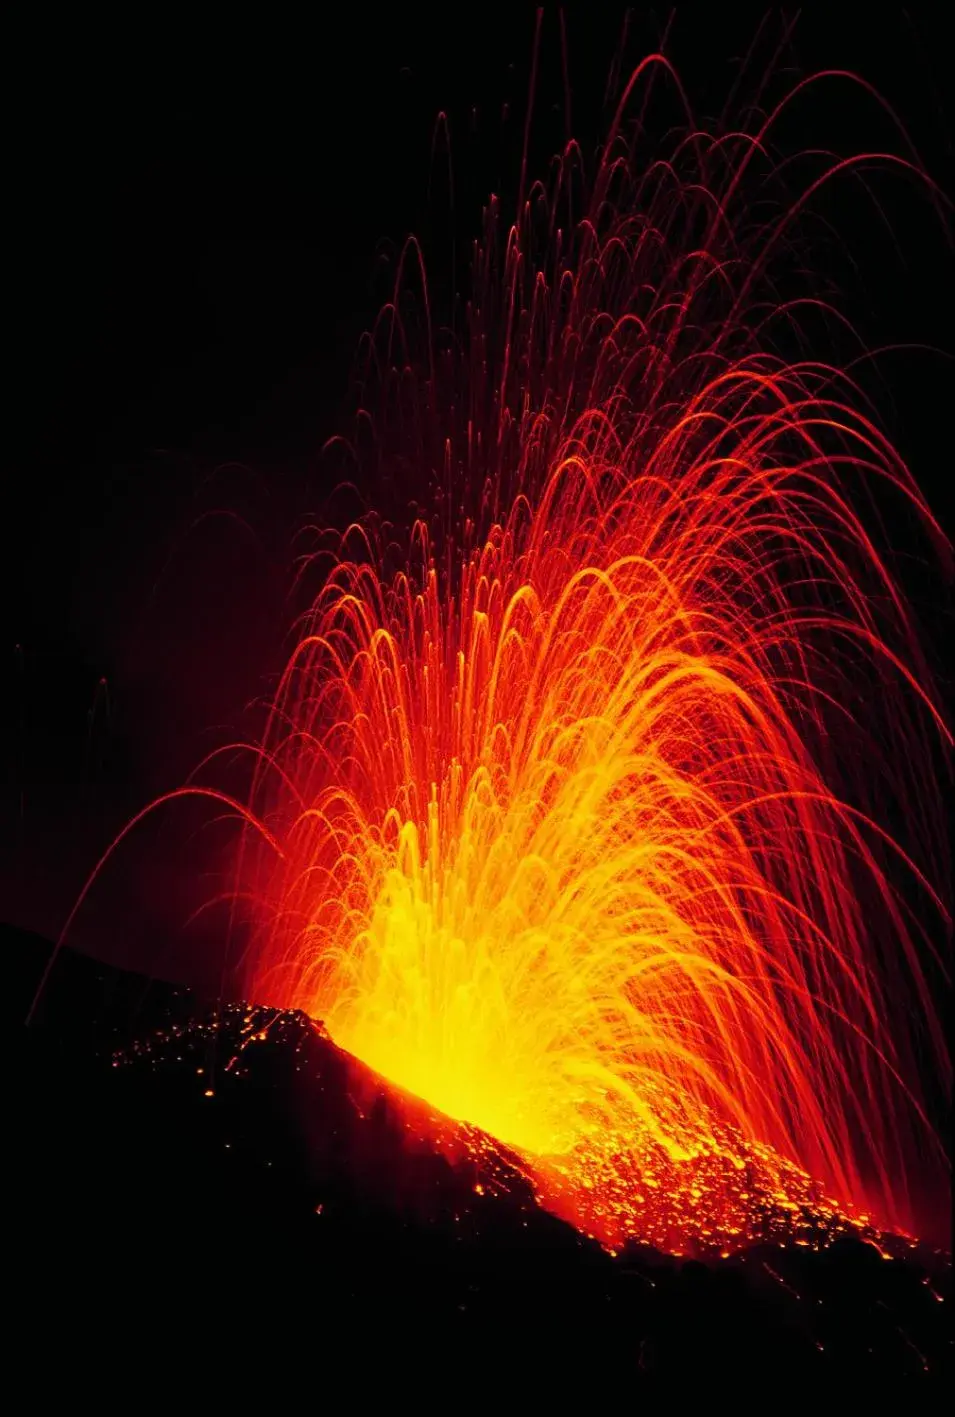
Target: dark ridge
(208,1189)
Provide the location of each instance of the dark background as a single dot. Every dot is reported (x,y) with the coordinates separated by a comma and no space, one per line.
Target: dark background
(204,221)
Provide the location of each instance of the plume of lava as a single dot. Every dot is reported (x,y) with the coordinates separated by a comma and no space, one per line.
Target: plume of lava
(571,844)
(570,793)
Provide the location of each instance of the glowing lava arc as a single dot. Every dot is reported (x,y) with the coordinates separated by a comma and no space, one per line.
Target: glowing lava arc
(578,804)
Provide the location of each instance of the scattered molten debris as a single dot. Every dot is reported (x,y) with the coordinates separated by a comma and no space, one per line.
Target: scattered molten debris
(732,1194)
(307,1198)
(711,1204)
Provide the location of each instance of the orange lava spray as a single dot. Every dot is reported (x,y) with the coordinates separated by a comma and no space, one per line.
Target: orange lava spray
(576,782)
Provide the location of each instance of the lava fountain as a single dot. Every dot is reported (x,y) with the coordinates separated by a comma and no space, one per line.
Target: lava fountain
(571,841)
(567,813)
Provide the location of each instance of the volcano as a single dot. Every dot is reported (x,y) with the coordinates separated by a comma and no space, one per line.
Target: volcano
(198,1178)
